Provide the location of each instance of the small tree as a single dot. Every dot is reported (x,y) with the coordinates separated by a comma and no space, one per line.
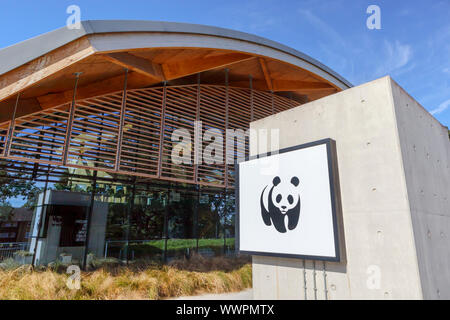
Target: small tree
(5,211)
(11,187)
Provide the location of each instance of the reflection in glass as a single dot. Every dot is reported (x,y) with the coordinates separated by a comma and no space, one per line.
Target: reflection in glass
(96,215)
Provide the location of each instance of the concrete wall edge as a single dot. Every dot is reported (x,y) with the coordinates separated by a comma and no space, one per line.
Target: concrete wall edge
(390,83)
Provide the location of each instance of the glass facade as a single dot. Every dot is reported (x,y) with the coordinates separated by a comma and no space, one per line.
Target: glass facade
(85,214)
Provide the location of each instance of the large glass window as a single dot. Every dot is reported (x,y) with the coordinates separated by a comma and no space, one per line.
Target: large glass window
(110,221)
(146,238)
(119,216)
(180,223)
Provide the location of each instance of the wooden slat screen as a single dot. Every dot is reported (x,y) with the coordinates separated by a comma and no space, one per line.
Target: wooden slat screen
(41,136)
(239,117)
(146,141)
(180,113)
(142,132)
(95,129)
(262,104)
(212,116)
(3,137)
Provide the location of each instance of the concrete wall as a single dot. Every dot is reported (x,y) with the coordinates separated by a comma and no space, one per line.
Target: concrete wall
(425,147)
(381,260)
(48,249)
(97,233)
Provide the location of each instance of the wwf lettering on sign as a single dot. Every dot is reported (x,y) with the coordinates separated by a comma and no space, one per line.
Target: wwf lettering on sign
(287,203)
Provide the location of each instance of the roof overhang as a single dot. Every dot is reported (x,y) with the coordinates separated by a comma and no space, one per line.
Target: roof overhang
(34,67)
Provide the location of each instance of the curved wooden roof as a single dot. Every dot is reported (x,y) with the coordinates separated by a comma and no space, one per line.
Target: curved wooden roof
(42,69)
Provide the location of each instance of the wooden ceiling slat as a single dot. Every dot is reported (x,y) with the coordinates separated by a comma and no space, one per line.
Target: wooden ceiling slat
(94,135)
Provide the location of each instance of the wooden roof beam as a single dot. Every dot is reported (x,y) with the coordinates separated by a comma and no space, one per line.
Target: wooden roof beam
(138,80)
(266,73)
(192,66)
(24,107)
(256,84)
(297,85)
(136,64)
(135,80)
(37,70)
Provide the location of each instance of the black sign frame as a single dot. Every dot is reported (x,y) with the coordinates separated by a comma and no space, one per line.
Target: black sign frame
(335,197)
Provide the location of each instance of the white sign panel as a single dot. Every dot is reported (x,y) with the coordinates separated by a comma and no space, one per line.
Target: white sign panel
(287,203)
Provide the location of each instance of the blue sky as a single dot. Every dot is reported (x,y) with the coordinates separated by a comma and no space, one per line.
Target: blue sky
(413,45)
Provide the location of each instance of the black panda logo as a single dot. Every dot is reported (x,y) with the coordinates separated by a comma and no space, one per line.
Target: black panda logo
(283,201)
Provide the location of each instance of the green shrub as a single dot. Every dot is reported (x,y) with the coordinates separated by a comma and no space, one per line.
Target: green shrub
(9,264)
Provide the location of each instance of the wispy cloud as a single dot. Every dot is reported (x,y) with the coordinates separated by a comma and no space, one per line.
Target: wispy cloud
(323,27)
(259,21)
(335,50)
(442,107)
(405,12)
(396,56)
(393,57)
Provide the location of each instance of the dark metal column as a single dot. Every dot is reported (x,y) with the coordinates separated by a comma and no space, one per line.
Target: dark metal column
(39,226)
(89,218)
(122,119)
(273,109)
(161,129)
(225,211)
(226,125)
(70,119)
(197,135)
(196,210)
(166,224)
(129,211)
(250,80)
